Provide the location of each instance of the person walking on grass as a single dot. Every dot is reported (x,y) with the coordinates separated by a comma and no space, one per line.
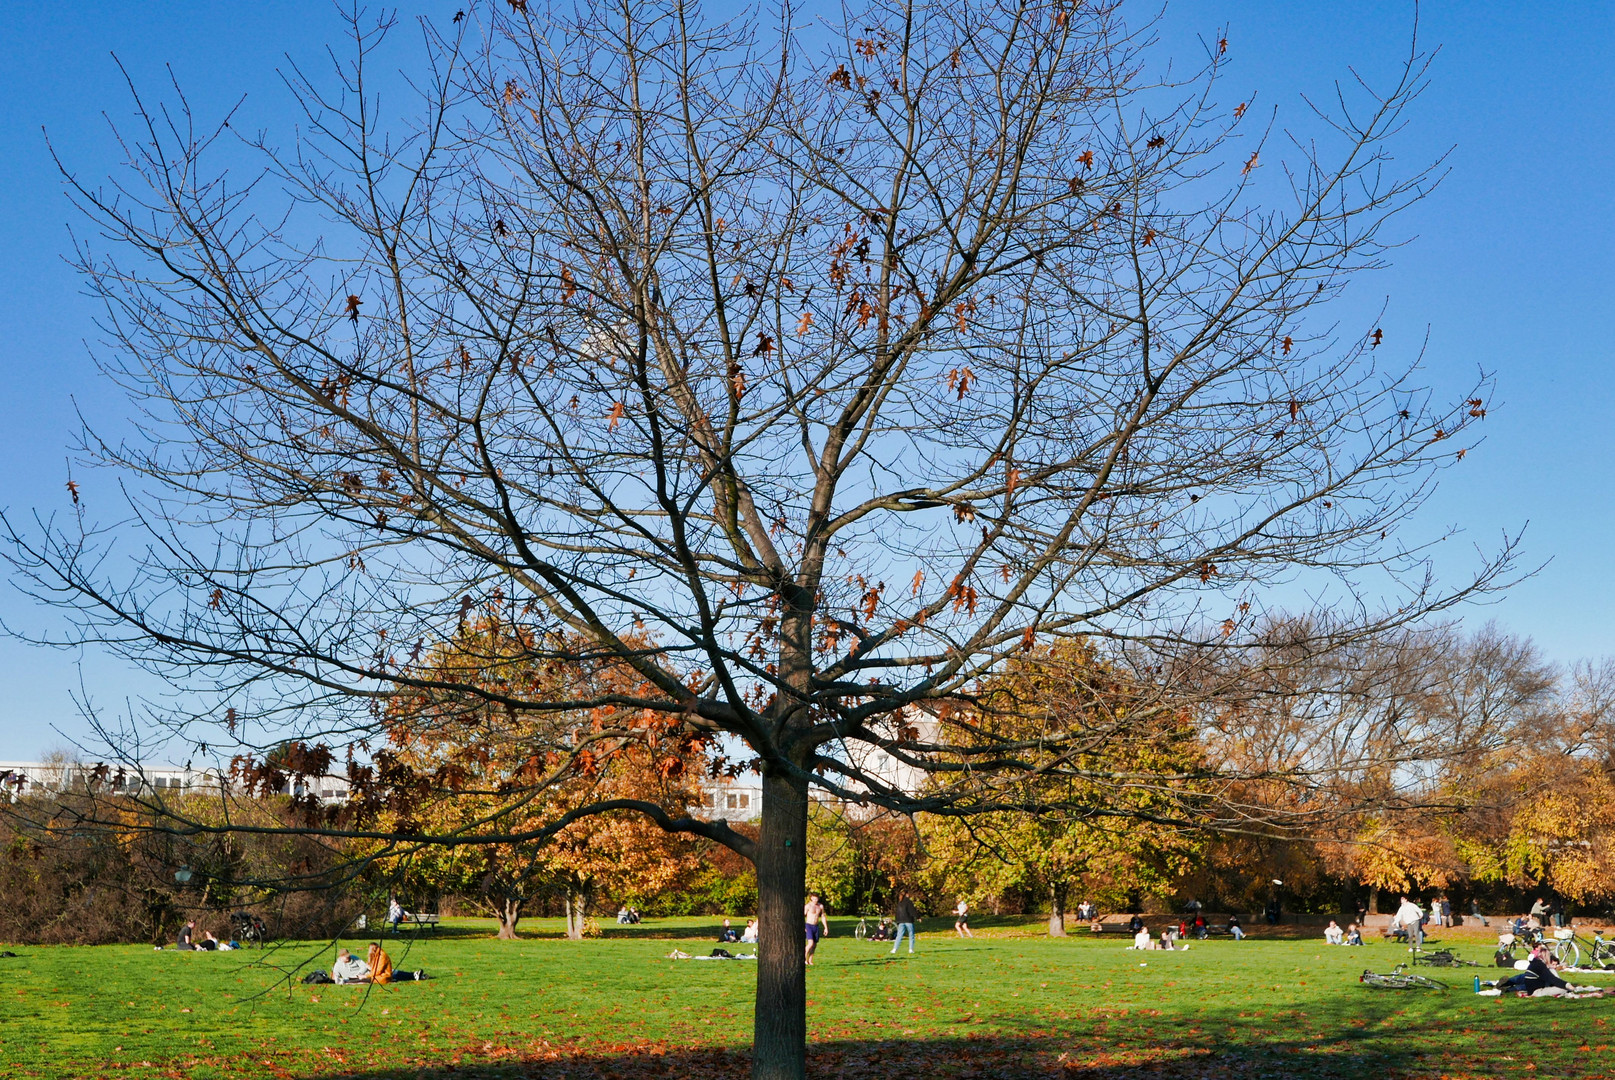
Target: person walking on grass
(1410,917)
(961,924)
(904,915)
(817,923)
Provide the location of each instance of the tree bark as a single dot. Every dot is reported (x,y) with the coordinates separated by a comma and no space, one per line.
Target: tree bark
(577,909)
(510,910)
(1056,911)
(779,1050)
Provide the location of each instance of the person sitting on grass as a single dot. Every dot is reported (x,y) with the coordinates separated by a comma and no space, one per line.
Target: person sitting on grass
(1332,934)
(1354,936)
(381,967)
(349,968)
(1235,928)
(208,942)
(183,941)
(1142,939)
(728,935)
(750,936)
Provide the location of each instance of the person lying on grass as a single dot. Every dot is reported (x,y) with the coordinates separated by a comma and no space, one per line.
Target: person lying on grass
(1540,980)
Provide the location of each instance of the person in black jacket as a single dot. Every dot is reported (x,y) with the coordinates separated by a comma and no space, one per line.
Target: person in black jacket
(904,916)
(1536,976)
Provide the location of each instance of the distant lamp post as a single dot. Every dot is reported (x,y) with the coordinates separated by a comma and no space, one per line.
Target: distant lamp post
(183,875)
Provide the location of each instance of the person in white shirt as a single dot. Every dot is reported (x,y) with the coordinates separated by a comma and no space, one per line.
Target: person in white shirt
(349,968)
(1332,934)
(1142,939)
(961,924)
(750,935)
(1410,917)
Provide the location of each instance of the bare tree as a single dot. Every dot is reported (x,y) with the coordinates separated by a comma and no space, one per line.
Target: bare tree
(838,362)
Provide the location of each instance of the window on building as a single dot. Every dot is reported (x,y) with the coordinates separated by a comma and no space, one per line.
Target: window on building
(745,801)
(732,803)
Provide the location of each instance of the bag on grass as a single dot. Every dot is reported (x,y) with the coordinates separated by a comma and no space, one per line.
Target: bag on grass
(317,977)
(723,954)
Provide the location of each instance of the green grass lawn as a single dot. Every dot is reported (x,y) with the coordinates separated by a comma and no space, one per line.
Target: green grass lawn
(1009,1003)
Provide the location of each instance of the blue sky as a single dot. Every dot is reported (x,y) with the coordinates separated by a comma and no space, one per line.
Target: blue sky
(1512,270)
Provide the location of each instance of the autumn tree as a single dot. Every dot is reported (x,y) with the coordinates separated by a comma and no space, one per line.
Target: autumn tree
(841,365)
(476,754)
(1122,792)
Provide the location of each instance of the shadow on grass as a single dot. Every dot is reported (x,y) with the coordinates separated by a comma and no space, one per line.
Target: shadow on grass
(1372,1036)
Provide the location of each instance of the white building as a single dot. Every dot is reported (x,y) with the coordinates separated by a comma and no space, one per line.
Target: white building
(19,778)
(741,798)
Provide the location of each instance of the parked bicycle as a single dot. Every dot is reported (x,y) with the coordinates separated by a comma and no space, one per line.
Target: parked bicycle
(1572,950)
(1512,946)
(1400,979)
(1445,958)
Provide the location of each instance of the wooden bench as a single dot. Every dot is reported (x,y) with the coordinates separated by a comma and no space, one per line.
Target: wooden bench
(420,918)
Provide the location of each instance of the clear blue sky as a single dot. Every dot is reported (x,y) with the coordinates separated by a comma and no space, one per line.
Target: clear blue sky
(1513,270)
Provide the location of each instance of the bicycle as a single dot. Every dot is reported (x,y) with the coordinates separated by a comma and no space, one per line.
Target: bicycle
(1568,947)
(862,930)
(1443,958)
(1510,943)
(1400,979)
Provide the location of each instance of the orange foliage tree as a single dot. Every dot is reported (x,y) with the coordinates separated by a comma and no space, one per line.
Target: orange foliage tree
(476,754)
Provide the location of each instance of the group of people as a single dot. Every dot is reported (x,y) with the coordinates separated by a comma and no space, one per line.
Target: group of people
(1544,912)
(186,940)
(729,935)
(1334,935)
(902,924)
(376,967)
(627,916)
(1540,978)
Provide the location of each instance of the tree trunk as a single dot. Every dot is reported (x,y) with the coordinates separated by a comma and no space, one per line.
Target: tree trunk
(1056,911)
(577,909)
(509,911)
(1373,901)
(779,1043)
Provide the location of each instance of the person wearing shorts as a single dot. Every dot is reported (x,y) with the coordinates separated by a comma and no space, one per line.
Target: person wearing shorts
(961,924)
(815,923)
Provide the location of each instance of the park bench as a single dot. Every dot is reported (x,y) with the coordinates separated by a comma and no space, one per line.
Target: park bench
(420,918)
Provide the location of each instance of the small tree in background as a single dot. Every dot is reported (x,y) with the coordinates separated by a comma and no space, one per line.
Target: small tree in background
(1122,794)
(467,756)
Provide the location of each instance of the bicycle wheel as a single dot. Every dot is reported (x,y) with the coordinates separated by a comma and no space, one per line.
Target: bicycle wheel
(1378,982)
(1567,952)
